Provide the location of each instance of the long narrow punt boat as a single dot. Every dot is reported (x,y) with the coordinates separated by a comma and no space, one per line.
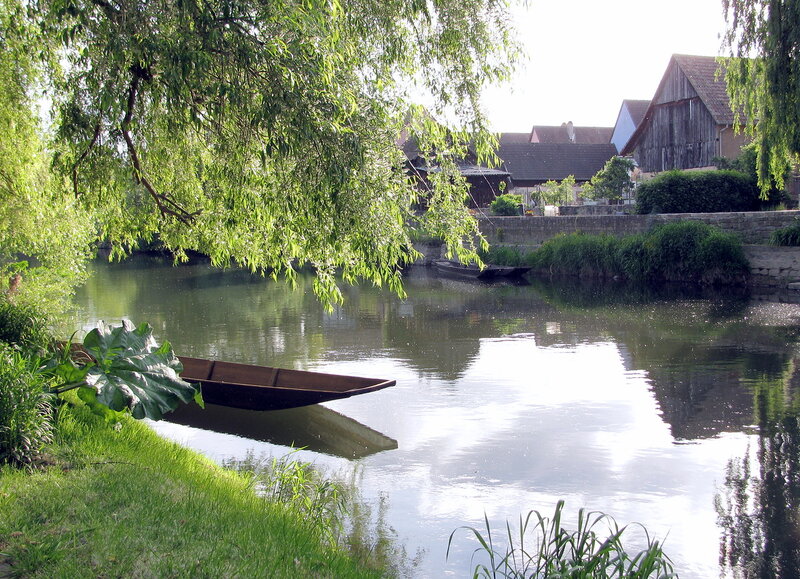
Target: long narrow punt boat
(266,388)
(472,271)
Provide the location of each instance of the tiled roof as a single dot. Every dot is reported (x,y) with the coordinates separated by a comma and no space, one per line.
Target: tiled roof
(708,79)
(560,134)
(636,108)
(554,161)
(506,138)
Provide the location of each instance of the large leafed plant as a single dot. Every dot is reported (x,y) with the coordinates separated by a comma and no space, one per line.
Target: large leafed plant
(124,369)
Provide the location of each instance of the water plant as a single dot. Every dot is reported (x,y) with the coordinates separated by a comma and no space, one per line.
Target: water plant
(544,548)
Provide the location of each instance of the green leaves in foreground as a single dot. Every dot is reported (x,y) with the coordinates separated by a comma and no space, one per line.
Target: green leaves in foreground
(594,550)
(126,370)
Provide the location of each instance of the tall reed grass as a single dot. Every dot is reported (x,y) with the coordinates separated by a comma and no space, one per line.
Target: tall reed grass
(543,548)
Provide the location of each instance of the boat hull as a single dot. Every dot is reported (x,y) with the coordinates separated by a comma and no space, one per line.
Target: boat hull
(266,388)
(488,273)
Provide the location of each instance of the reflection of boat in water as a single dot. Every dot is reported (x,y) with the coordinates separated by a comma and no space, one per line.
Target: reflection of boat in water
(315,428)
(266,388)
(489,273)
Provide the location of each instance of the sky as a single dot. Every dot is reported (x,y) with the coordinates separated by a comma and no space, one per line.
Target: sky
(585,56)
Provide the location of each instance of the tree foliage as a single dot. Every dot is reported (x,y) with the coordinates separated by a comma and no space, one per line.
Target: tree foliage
(611,182)
(36,219)
(764,80)
(557,193)
(264,132)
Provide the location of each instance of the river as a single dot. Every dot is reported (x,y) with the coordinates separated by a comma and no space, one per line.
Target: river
(628,401)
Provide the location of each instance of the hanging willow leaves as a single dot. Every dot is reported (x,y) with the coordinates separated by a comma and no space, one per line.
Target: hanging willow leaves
(265,132)
(764,80)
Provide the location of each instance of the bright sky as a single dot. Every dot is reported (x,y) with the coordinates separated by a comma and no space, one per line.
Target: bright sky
(586,56)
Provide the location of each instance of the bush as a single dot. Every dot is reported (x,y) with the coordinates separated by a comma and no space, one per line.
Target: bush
(698,192)
(500,255)
(507,204)
(25,411)
(786,236)
(23,326)
(686,251)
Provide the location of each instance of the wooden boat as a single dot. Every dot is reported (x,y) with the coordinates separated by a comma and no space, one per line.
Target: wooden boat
(472,271)
(265,388)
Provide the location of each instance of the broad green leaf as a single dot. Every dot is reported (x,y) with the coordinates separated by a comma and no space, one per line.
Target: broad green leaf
(133,372)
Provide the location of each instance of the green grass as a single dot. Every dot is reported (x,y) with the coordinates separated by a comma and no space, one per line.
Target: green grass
(120,501)
(544,548)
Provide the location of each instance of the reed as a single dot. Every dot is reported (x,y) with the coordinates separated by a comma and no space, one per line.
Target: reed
(788,236)
(543,548)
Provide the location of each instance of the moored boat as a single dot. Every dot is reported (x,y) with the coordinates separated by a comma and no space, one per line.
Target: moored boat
(267,388)
(472,271)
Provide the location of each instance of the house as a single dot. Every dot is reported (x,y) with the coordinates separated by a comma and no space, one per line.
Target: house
(689,121)
(630,116)
(533,164)
(568,133)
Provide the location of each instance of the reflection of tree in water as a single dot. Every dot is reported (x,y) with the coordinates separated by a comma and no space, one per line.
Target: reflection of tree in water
(760,515)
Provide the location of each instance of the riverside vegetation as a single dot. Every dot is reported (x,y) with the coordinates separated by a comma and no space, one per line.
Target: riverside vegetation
(685,251)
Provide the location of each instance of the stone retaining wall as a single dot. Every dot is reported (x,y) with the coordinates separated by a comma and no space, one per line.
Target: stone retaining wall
(527,232)
(774,266)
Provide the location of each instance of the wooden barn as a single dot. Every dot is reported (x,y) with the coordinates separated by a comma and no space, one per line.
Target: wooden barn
(689,121)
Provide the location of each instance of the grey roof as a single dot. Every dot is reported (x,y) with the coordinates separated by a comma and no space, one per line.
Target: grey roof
(636,108)
(506,138)
(708,79)
(554,161)
(583,135)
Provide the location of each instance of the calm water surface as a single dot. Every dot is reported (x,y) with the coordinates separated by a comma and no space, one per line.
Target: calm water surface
(508,399)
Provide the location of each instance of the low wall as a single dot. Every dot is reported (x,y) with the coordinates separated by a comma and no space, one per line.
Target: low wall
(527,232)
(774,266)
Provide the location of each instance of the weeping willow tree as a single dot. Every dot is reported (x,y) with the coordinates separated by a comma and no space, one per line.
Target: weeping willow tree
(763,79)
(265,132)
(43,233)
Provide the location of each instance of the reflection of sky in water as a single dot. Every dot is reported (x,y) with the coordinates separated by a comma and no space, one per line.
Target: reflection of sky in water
(503,403)
(524,427)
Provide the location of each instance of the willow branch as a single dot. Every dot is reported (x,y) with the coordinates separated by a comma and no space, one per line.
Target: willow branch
(165,205)
(83,157)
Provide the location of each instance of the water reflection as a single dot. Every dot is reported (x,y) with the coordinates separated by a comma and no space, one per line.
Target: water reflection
(315,428)
(508,398)
(760,513)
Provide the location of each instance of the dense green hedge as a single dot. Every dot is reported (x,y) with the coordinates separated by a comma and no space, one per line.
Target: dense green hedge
(687,251)
(698,192)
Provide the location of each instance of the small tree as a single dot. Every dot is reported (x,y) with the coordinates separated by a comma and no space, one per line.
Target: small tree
(555,193)
(612,181)
(507,204)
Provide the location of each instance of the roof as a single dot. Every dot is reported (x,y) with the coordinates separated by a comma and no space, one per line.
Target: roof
(708,79)
(561,134)
(636,108)
(554,161)
(514,138)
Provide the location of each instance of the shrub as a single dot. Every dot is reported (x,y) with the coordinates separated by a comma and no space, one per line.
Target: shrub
(698,192)
(500,255)
(786,236)
(507,204)
(24,326)
(684,251)
(25,411)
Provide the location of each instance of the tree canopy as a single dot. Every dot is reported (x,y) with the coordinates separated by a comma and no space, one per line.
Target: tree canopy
(611,182)
(763,79)
(260,132)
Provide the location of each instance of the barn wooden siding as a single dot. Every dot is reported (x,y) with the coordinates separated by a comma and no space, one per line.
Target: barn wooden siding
(681,134)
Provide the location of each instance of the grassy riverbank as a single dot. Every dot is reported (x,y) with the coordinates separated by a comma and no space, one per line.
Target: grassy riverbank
(117,500)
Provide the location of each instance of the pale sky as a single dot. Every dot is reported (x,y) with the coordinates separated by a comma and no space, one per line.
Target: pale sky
(586,56)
